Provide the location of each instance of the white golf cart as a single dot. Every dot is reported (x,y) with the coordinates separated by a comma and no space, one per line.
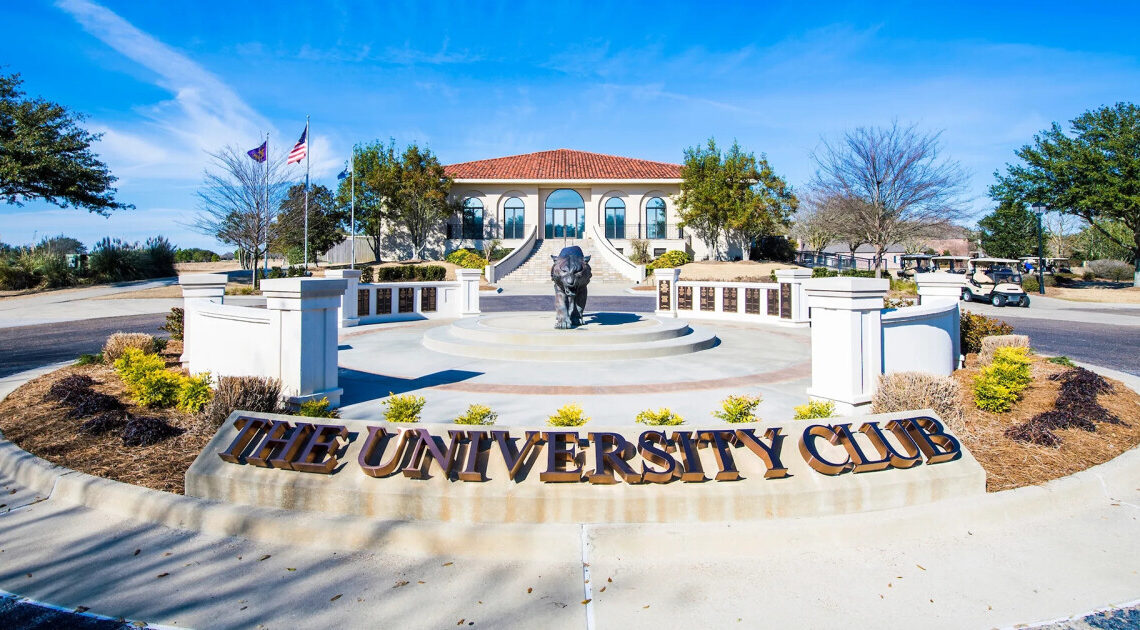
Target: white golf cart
(911,264)
(950,264)
(994,280)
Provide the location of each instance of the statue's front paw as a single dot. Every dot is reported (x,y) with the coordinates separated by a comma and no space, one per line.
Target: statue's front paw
(562,324)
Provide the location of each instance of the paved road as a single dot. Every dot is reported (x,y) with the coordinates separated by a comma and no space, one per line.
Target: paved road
(1116,347)
(26,347)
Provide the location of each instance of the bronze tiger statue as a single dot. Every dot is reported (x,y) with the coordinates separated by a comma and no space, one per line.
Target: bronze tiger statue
(570,273)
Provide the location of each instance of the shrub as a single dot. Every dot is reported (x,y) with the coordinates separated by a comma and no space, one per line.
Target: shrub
(295,272)
(158,388)
(973,327)
(119,342)
(477,414)
(904,286)
(317,409)
(157,258)
(148,431)
(858,273)
(823,272)
(1088,275)
(738,409)
(175,323)
(275,273)
(113,260)
(999,385)
(194,254)
(570,415)
(367,275)
(430,273)
(1111,269)
(403,407)
(905,391)
(663,417)
(195,393)
(1076,407)
(104,422)
(1063,360)
(639,251)
(69,389)
(134,364)
(90,403)
(52,269)
(670,260)
(89,359)
(421,273)
(15,277)
(814,409)
(466,258)
(993,342)
(247,393)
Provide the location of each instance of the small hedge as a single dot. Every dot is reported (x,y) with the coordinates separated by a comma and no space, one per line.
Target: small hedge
(406,273)
(570,415)
(663,417)
(1111,269)
(999,385)
(478,415)
(670,260)
(814,410)
(992,343)
(738,409)
(973,328)
(466,258)
(403,407)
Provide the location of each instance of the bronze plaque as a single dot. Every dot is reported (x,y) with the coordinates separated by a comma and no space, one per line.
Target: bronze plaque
(383,301)
(785,300)
(752,301)
(427,299)
(406,297)
(728,299)
(663,295)
(362,303)
(685,298)
(773,303)
(708,298)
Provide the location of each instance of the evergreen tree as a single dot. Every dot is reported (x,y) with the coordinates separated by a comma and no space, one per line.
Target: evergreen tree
(1010,231)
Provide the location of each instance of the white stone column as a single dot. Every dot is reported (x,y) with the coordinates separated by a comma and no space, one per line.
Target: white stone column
(468,291)
(796,277)
(672,276)
(939,287)
(846,340)
(348,315)
(944,288)
(309,313)
(198,289)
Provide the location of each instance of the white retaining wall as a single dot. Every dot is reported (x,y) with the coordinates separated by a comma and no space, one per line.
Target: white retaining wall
(402,301)
(780,302)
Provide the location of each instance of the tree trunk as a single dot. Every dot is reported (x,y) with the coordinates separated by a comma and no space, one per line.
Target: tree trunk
(879,251)
(255,279)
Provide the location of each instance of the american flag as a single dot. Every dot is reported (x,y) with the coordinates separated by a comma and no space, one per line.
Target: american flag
(301,148)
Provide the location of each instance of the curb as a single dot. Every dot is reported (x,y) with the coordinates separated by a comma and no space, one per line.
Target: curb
(554,541)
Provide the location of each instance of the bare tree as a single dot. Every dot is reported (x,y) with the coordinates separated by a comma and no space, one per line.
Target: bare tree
(1061,230)
(232,201)
(902,185)
(817,222)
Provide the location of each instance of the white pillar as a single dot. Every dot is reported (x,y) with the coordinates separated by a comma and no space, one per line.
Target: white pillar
(939,287)
(944,288)
(309,313)
(846,340)
(348,316)
(468,291)
(198,289)
(796,278)
(669,291)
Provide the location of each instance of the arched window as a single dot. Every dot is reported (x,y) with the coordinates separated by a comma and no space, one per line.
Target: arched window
(565,214)
(615,218)
(472,219)
(514,213)
(655,218)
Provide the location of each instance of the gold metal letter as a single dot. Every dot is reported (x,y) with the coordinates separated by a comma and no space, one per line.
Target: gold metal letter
(609,456)
(512,457)
(931,438)
(319,452)
(561,450)
(887,450)
(861,463)
(811,454)
(656,455)
(694,471)
(722,442)
(770,455)
(248,428)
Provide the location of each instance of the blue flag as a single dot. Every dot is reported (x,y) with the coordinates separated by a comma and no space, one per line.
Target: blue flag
(259,154)
(343,174)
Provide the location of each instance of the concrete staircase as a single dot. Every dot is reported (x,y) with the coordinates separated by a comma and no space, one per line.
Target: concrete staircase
(536,268)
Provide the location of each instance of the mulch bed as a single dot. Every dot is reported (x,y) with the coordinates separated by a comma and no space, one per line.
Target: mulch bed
(50,430)
(1012,464)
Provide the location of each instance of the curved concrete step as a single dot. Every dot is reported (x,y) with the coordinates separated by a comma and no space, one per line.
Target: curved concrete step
(598,328)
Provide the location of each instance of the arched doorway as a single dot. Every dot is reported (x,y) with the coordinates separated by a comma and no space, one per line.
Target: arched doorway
(565,214)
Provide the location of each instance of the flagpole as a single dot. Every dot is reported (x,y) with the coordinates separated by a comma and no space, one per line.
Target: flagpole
(352,213)
(267,203)
(308,146)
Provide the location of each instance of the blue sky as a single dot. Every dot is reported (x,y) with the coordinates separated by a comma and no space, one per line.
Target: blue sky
(166,82)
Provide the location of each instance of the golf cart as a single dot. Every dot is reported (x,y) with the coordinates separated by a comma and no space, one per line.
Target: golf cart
(994,280)
(1057,265)
(950,264)
(911,264)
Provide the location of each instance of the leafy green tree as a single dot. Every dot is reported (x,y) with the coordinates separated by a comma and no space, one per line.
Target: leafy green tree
(45,154)
(377,169)
(1094,173)
(421,203)
(732,196)
(326,220)
(62,245)
(1009,231)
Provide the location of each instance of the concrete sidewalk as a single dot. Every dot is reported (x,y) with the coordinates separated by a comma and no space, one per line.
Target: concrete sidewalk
(1029,555)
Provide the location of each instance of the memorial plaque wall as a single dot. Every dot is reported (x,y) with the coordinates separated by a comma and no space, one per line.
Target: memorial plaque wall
(362,303)
(752,301)
(785,300)
(708,298)
(685,298)
(383,301)
(427,299)
(773,302)
(663,290)
(407,299)
(728,300)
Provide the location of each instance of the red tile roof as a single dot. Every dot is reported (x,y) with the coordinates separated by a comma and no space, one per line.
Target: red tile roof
(563,164)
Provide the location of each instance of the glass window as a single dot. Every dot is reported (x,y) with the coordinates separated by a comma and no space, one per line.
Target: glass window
(655,218)
(472,219)
(514,213)
(615,218)
(565,214)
